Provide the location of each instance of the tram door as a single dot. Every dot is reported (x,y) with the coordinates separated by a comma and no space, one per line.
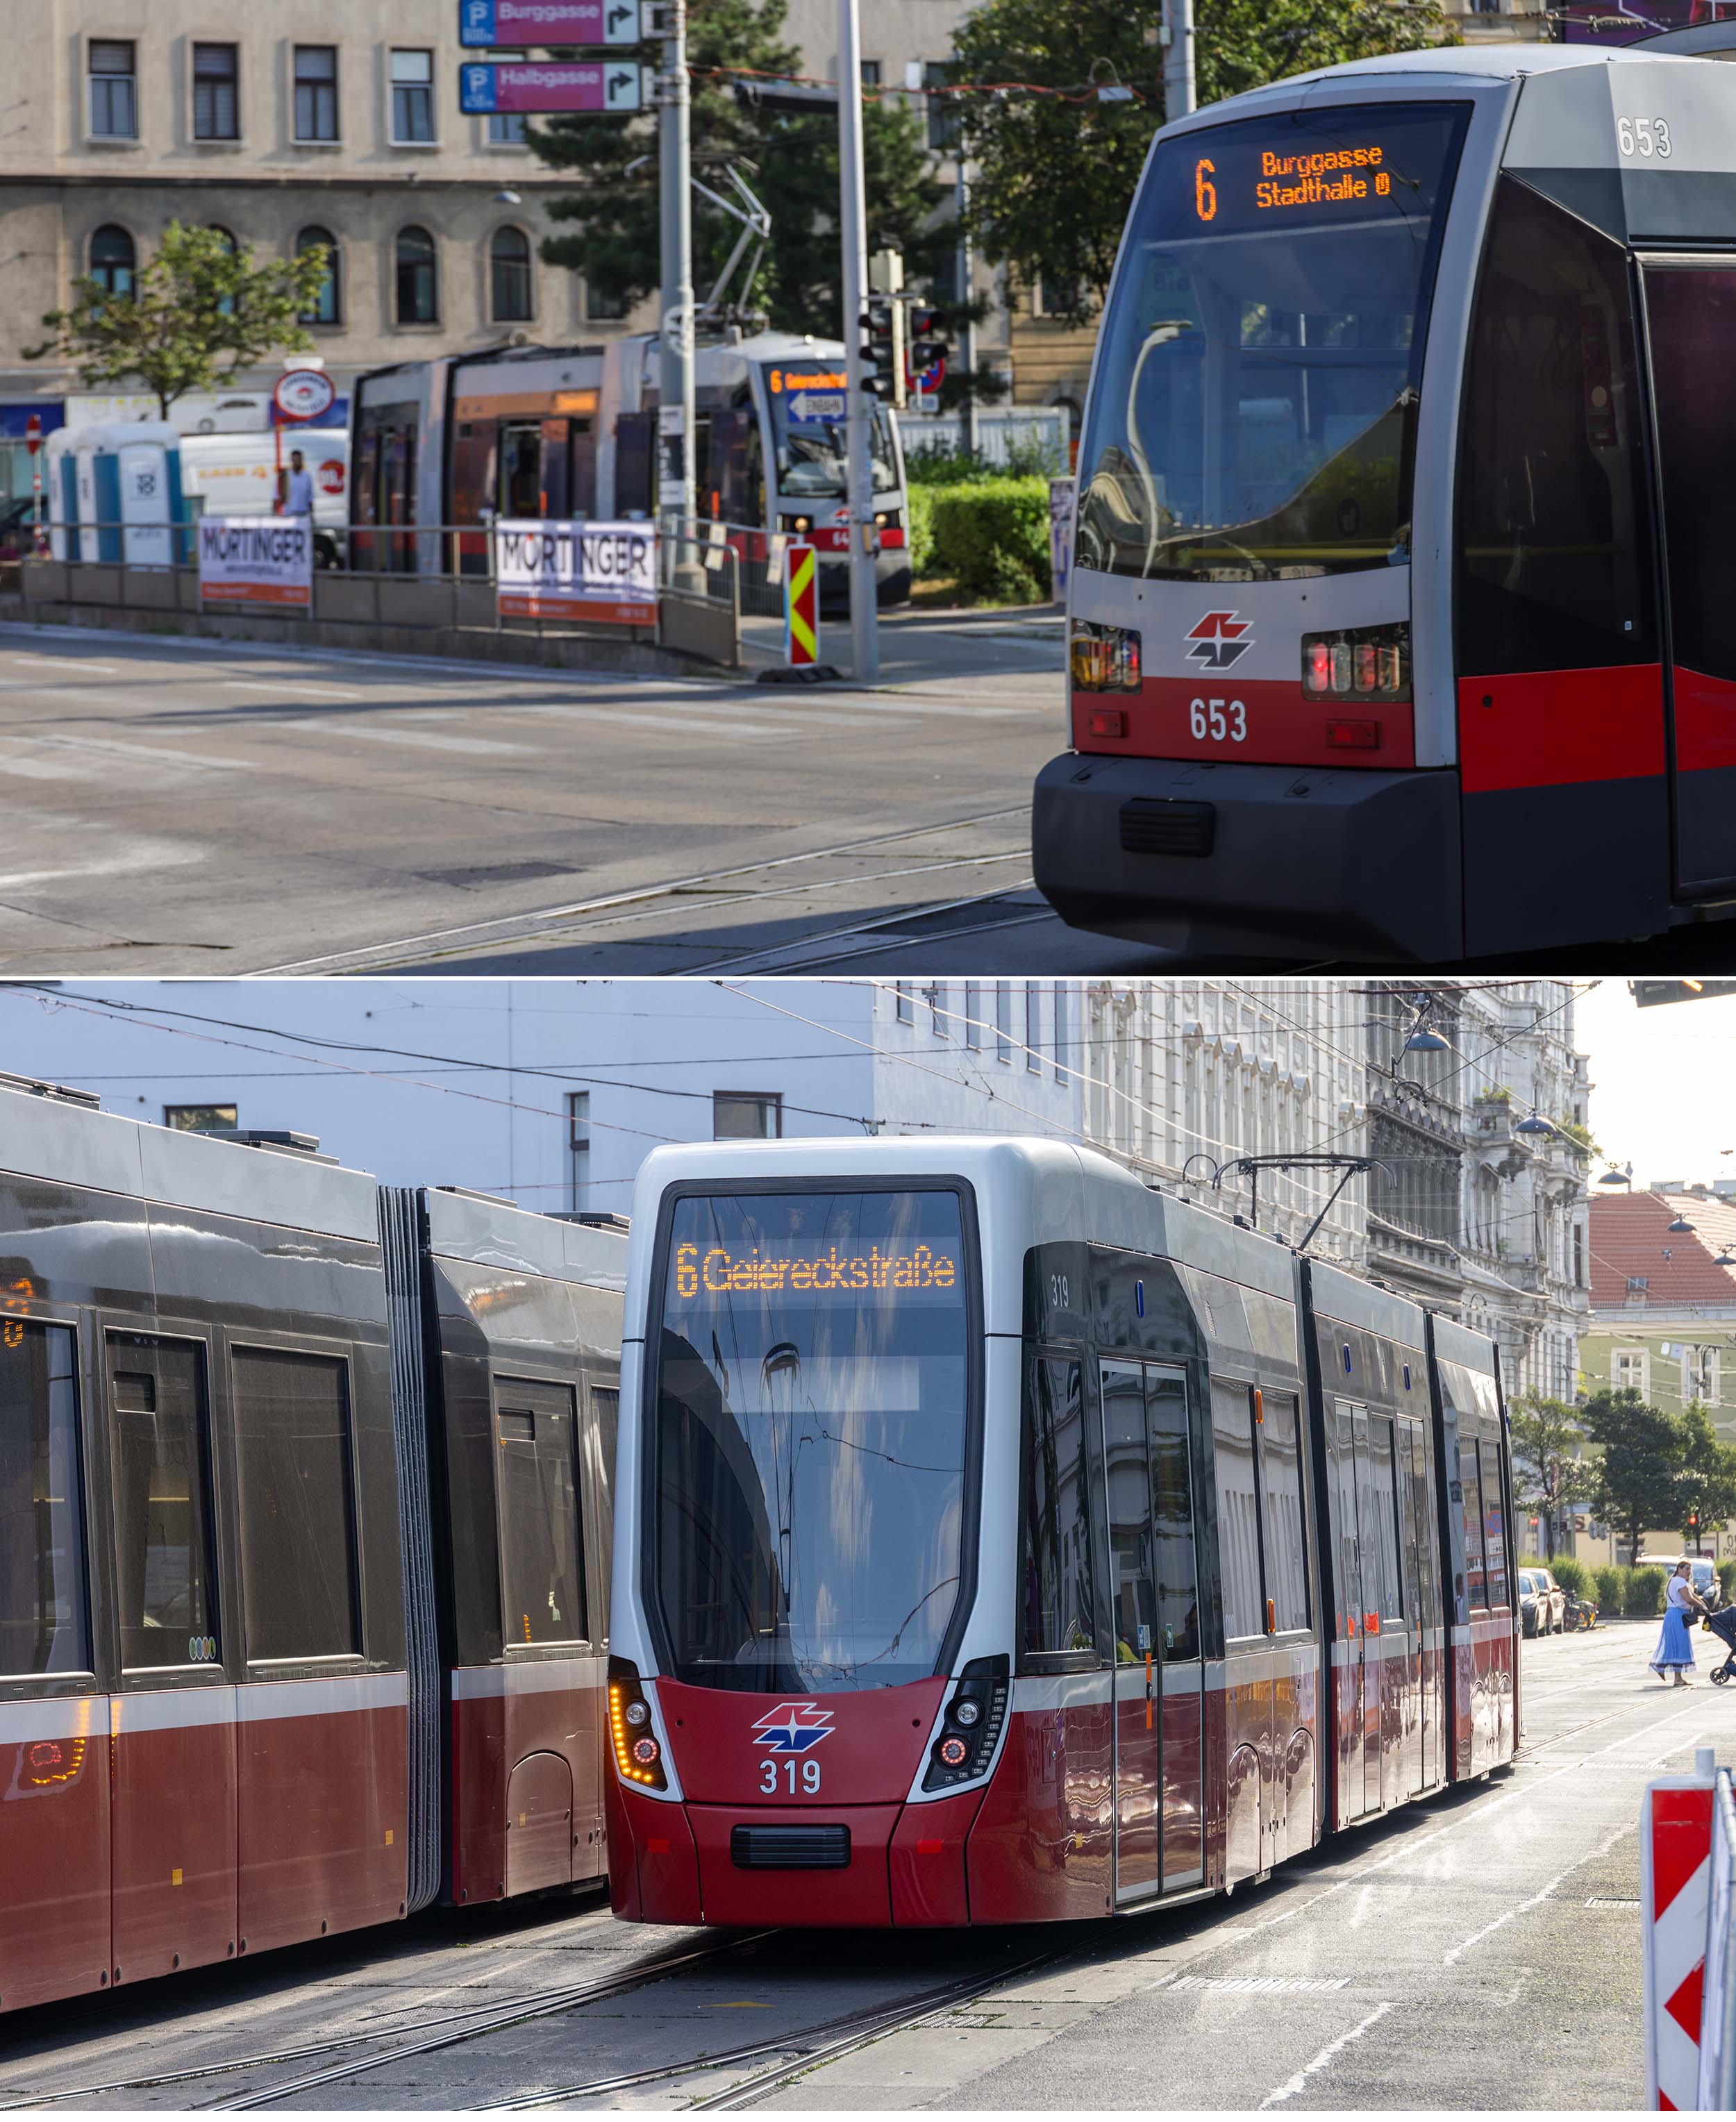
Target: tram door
(1691,326)
(1359,1602)
(1158,1676)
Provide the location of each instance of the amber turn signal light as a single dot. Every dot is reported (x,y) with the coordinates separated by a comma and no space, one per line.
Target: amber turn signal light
(639,1757)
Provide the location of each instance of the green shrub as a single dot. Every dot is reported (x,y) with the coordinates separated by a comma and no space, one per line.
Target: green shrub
(1727,1579)
(1612,1589)
(921,530)
(1570,1574)
(1025,457)
(1644,1592)
(991,536)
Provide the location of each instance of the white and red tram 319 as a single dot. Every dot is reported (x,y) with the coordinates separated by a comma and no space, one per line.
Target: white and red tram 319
(304,1546)
(999,1540)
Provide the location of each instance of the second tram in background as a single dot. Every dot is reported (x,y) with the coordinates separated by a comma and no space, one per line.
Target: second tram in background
(1400,615)
(304,1541)
(567,432)
(997,1540)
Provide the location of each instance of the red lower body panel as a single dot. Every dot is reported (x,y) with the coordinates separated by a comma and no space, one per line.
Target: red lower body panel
(526,1794)
(859,1896)
(54,1849)
(174,1833)
(1042,1849)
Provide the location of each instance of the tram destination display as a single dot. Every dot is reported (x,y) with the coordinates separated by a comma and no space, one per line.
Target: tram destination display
(1365,164)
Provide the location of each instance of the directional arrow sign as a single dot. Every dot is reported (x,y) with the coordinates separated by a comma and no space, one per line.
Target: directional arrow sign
(523,24)
(532,87)
(818,405)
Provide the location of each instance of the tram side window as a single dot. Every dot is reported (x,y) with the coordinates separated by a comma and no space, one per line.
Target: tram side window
(1238,1511)
(1476,1585)
(1286,1565)
(165,1568)
(1386,1501)
(297,1505)
(1060,1616)
(1494,1524)
(42,1601)
(539,1534)
(1172,1517)
(1553,524)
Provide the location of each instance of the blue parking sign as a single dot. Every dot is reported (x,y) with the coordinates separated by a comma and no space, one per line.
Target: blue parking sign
(476,23)
(476,83)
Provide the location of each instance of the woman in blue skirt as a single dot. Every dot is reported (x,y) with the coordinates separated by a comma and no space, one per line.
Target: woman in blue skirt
(1675,1651)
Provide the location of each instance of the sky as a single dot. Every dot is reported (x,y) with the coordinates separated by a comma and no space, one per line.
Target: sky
(1664,1080)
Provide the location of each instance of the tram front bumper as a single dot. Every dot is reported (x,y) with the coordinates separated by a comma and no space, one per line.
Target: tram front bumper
(1254,860)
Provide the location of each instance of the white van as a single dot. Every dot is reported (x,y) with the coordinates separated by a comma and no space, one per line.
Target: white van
(237,474)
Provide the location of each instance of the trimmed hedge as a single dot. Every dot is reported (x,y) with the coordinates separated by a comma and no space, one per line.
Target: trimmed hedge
(1726,1579)
(1570,1574)
(990,537)
(1612,1584)
(1644,1592)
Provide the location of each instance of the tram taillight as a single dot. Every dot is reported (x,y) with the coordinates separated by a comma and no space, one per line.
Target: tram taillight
(1105,659)
(639,1757)
(1361,663)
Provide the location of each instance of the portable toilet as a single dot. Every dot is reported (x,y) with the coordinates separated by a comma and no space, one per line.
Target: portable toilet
(60,493)
(125,498)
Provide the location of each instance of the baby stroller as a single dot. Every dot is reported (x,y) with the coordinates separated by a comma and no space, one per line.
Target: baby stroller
(1722,1625)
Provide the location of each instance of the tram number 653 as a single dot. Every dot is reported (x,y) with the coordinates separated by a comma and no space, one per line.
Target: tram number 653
(1643,136)
(1209,718)
(810,1781)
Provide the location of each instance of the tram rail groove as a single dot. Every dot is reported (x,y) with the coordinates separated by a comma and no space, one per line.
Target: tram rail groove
(855,2030)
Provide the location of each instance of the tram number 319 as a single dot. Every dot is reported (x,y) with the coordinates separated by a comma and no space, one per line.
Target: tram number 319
(1643,136)
(810,1777)
(1219,720)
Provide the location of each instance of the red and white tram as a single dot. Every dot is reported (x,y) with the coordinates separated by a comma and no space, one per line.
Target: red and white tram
(304,1546)
(999,1540)
(1402,529)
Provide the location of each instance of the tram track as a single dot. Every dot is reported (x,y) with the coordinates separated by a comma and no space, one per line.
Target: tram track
(447,2029)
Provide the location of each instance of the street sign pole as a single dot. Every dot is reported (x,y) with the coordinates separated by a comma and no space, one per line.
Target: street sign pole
(1178,59)
(864,616)
(676,412)
(32,443)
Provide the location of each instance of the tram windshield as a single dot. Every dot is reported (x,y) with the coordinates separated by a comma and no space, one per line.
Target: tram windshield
(808,407)
(812,1438)
(1254,410)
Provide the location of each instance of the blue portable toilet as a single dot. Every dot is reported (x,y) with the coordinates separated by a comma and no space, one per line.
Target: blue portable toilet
(125,497)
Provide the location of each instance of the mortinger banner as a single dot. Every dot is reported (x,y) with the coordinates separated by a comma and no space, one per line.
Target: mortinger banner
(593,571)
(262,560)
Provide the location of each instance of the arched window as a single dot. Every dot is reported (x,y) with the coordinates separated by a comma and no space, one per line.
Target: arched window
(509,276)
(113,260)
(326,308)
(418,291)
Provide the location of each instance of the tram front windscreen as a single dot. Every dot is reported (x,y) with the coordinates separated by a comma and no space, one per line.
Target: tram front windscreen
(810,1447)
(1254,409)
(808,407)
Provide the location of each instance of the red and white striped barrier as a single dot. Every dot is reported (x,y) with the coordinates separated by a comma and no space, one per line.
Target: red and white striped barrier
(1675,1877)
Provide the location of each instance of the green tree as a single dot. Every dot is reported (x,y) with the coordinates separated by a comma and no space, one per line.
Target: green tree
(198,312)
(1706,1480)
(1637,1477)
(1549,1474)
(1057,173)
(610,219)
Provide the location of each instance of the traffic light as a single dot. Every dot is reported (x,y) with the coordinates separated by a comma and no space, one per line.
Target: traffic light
(926,357)
(881,343)
(1647,992)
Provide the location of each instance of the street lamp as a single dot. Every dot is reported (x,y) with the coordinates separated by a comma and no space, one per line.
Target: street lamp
(1613,1177)
(1534,1125)
(1426,1042)
(506,196)
(1681,1227)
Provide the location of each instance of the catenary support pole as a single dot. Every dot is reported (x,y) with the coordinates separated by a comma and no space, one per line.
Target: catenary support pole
(675,495)
(853,226)
(1178,60)
(966,292)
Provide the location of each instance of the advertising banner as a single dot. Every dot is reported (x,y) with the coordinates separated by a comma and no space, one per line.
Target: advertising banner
(604,572)
(264,562)
(1062,495)
(532,86)
(517,24)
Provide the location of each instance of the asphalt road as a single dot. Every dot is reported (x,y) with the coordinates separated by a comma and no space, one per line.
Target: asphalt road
(1479,1950)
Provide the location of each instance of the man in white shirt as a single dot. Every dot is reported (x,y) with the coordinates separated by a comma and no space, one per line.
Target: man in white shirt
(297,496)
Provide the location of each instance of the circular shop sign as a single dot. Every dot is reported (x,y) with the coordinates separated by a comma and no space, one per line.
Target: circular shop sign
(303,394)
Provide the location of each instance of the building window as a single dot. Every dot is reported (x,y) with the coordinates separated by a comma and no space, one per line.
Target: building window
(199,1119)
(1061,1061)
(943,112)
(113,260)
(938,1009)
(870,73)
(578,1148)
(600,308)
(226,306)
(509,276)
(505,129)
(973,1013)
(1637,1286)
(413,99)
(1004,1023)
(1056,298)
(217,114)
(326,309)
(316,91)
(747,1116)
(1631,1367)
(114,90)
(418,293)
(1578,1256)
(1033,1028)
(904,1001)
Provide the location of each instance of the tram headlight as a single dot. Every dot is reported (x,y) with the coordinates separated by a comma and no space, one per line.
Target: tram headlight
(968,1711)
(954,1752)
(970,1730)
(639,1758)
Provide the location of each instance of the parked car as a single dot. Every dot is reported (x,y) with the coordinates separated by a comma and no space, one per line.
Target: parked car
(1702,1572)
(1542,1604)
